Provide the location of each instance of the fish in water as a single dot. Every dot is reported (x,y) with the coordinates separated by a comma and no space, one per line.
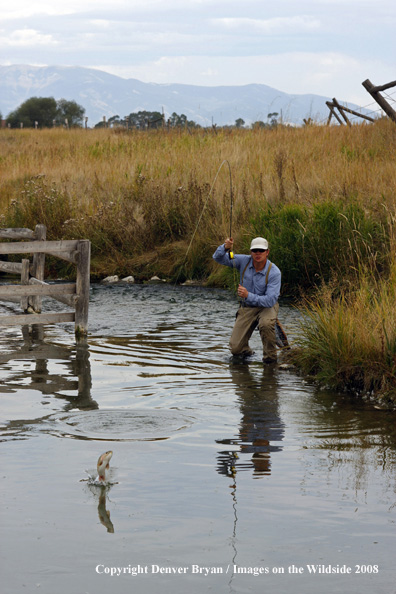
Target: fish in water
(102,465)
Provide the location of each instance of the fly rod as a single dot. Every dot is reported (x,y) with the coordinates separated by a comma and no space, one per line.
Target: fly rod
(202,212)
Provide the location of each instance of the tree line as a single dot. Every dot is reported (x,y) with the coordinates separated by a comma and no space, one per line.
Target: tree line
(149,119)
(46,112)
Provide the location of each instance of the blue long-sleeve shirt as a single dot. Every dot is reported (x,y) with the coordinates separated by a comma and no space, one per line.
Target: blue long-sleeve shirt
(260,293)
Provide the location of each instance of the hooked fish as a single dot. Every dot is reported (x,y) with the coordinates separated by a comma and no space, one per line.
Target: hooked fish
(102,465)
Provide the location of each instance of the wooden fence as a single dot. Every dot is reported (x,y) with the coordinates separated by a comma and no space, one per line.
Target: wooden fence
(32,287)
(375,92)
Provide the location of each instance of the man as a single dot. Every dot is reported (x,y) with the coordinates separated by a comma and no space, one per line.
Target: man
(259,288)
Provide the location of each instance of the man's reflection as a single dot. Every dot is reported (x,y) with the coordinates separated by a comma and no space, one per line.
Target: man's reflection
(261,429)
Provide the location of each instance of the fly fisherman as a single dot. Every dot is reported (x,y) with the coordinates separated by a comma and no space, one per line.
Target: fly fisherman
(259,288)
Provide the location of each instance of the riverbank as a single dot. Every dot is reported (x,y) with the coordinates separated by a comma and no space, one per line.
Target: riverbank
(348,341)
(325,198)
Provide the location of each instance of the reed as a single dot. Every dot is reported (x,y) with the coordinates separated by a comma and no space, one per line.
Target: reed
(348,341)
(135,194)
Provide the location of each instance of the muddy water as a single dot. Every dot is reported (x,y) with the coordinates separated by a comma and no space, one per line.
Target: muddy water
(226,477)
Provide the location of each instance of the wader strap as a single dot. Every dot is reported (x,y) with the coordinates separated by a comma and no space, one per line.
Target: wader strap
(244,270)
(266,276)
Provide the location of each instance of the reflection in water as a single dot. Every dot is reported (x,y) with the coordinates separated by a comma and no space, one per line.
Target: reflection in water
(260,433)
(28,366)
(101,493)
(75,359)
(349,442)
(103,513)
(261,429)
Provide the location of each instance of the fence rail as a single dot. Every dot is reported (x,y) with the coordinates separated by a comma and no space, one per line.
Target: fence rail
(32,287)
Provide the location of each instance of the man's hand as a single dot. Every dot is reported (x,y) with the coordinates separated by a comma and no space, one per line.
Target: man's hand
(228,244)
(242,292)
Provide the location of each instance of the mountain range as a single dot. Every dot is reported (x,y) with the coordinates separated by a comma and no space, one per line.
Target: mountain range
(103,94)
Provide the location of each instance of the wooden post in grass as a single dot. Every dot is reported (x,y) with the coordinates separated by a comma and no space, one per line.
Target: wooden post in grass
(375,92)
(333,113)
(340,109)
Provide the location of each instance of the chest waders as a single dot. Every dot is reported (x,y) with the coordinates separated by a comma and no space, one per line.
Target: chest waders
(281,338)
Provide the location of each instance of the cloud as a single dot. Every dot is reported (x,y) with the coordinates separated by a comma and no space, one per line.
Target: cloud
(273,26)
(19,9)
(100,23)
(26,38)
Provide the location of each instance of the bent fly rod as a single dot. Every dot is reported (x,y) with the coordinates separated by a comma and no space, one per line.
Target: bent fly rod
(231,254)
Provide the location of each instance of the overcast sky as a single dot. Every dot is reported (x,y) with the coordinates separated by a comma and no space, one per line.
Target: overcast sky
(326,47)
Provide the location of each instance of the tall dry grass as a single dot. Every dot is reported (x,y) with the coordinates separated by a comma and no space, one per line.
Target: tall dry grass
(138,195)
(304,164)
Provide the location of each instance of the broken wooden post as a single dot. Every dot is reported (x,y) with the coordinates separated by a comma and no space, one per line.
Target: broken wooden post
(356,113)
(375,93)
(333,113)
(340,109)
(82,286)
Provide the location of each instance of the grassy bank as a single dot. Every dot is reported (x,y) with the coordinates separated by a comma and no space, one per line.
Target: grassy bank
(325,197)
(348,338)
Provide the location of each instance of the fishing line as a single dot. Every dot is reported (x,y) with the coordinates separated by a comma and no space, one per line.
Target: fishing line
(203,209)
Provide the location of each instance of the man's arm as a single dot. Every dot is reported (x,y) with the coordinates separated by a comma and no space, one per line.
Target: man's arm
(221,255)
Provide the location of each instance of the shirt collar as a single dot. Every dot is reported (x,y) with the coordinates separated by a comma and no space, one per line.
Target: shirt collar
(263,271)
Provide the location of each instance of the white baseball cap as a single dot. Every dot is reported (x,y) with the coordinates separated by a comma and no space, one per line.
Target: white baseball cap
(259,243)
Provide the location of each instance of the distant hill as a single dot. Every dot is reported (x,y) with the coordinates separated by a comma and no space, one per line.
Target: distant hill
(103,94)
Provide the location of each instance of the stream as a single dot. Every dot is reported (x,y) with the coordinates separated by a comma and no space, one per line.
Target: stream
(225,476)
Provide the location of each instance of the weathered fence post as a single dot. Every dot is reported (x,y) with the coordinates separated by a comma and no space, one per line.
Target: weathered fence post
(40,234)
(82,286)
(25,281)
(341,110)
(333,113)
(375,92)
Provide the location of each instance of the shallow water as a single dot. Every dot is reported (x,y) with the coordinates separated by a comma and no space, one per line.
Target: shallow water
(245,470)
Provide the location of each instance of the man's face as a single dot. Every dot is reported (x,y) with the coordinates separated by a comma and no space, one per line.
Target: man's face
(259,256)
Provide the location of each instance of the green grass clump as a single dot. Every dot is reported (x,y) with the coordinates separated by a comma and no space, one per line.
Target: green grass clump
(348,341)
(313,243)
